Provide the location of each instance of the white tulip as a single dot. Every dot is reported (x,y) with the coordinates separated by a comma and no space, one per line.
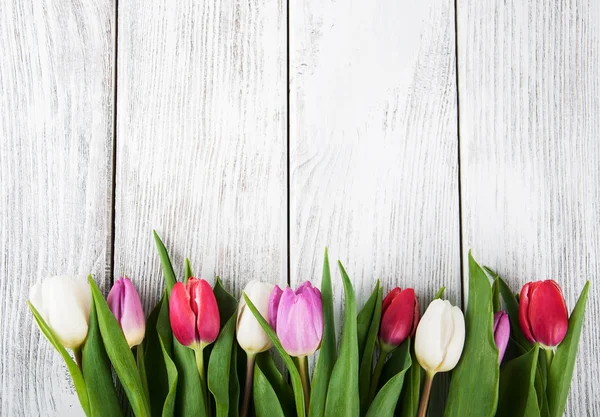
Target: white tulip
(64,303)
(440,337)
(250,335)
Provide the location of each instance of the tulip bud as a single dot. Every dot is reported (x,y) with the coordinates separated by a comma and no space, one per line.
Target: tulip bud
(194,313)
(501,332)
(543,313)
(440,337)
(251,337)
(297,318)
(124,302)
(399,318)
(64,303)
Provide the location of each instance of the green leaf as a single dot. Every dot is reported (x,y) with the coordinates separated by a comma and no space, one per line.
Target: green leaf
(366,361)
(141,364)
(561,369)
(327,354)
(188,271)
(266,403)
(496,296)
(97,373)
(386,399)
(343,393)
(158,385)
(289,363)
(517,391)
(74,370)
(474,385)
(190,400)
(364,320)
(120,354)
(279,384)
(219,367)
(226,302)
(396,362)
(166,407)
(409,399)
(440,293)
(165,261)
(234,384)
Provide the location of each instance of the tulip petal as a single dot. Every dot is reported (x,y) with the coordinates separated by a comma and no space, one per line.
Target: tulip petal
(298,335)
(183,319)
(115,299)
(388,299)
(205,305)
(64,298)
(548,314)
(249,332)
(274,300)
(501,332)
(397,322)
(524,299)
(457,341)
(37,300)
(132,320)
(429,343)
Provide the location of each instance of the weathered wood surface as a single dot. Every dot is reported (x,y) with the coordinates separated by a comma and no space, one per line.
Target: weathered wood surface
(373,147)
(377,169)
(530,153)
(201,141)
(56,102)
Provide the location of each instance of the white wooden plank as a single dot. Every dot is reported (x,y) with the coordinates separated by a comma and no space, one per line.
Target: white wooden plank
(56,101)
(530,153)
(373,143)
(201,139)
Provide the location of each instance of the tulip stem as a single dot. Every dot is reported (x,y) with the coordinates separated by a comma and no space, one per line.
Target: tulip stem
(425,396)
(249,378)
(77,352)
(303,369)
(377,374)
(199,352)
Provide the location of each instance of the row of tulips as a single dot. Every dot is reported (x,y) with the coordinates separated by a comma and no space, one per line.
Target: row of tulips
(160,362)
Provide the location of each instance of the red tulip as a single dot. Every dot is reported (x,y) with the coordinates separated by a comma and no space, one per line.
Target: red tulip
(194,313)
(399,317)
(543,313)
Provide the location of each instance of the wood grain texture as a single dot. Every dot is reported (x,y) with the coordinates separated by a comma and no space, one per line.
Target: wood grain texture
(373,147)
(201,140)
(56,101)
(530,153)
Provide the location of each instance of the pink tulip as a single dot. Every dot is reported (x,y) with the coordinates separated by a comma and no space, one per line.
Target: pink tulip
(297,318)
(501,332)
(124,302)
(543,313)
(194,313)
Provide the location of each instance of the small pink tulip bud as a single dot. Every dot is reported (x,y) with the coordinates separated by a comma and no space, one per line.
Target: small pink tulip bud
(124,302)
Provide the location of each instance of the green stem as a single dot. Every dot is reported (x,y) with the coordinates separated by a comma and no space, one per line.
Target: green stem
(199,351)
(425,396)
(249,378)
(549,357)
(377,374)
(303,369)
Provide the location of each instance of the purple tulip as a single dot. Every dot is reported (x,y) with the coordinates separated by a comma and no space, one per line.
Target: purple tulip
(297,318)
(501,332)
(124,302)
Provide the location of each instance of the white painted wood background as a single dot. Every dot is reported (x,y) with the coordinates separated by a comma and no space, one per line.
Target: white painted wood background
(413,131)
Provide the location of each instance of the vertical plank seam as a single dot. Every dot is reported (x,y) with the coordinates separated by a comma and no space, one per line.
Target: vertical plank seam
(114,148)
(460,211)
(288,173)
